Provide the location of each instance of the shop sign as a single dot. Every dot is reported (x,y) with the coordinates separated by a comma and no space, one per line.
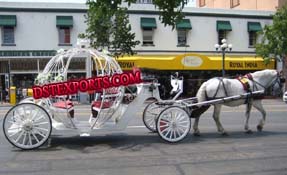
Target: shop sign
(26,53)
(191,61)
(233,64)
(126,64)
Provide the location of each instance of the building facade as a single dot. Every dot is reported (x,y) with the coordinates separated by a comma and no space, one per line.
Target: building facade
(271,5)
(31,33)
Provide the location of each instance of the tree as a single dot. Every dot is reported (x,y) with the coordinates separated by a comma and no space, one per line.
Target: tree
(274,41)
(109,28)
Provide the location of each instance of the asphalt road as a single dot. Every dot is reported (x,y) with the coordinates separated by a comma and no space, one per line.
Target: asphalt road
(136,151)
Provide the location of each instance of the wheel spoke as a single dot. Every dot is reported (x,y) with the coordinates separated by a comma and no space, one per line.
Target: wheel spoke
(42,123)
(33,134)
(36,113)
(170,136)
(25,112)
(41,129)
(17,127)
(14,133)
(174,132)
(178,132)
(183,126)
(38,119)
(41,134)
(24,139)
(181,118)
(19,115)
(20,135)
(163,125)
(30,140)
(183,122)
(151,122)
(167,132)
(165,129)
(180,129)
(152,113)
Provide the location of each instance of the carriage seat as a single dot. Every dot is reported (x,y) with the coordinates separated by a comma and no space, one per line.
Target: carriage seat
(64,105)
(96,105)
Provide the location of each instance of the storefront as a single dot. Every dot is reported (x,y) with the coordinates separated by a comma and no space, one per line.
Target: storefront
(195,68)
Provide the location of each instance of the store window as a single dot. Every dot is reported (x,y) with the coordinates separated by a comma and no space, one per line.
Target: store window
(148,36)
(181,37)
(64,25)
(8,37)
(222,34)
(252,39)
(234,3)
(144,1)
(64,36)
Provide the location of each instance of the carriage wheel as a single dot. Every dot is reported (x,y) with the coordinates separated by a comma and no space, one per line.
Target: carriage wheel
(173,124)
(27,126)
(150,115)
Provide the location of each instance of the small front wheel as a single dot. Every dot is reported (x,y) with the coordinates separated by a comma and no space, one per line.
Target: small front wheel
(150,115)
(173,124)
(27,126)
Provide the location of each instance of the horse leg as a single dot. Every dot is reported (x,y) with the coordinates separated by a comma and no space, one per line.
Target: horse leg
(259,107)
(247,115)
(196,131)
(216,113)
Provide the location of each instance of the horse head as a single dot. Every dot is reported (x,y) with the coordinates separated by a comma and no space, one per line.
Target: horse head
(269,78)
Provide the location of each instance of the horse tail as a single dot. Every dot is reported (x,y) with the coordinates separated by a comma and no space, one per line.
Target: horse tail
(201,93)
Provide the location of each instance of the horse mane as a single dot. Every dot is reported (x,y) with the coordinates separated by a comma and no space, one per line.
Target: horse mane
(262,73)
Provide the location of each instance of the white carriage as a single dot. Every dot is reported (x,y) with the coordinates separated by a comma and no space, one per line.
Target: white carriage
(29,124)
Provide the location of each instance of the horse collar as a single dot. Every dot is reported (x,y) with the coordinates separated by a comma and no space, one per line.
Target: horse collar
(244,82)
(249,76)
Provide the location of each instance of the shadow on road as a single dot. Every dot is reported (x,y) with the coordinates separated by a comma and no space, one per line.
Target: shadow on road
(136,142)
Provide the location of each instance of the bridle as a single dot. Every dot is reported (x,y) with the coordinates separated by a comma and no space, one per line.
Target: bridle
(279,79)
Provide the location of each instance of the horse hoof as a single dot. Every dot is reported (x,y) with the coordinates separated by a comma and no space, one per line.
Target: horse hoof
(259,128)
(224,134)
(249,132)
(196,134)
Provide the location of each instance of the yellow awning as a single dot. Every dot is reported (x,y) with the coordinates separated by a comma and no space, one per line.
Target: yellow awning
(193,62)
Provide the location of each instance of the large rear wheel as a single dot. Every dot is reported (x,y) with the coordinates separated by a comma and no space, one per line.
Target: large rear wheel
(27,126)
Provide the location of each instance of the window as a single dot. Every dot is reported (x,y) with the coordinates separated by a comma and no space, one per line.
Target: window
(234,3)
(252,39)
(144,2)
(222,34)
(201,3)
(181,37)
(64,36)
(8,36)
(148,36)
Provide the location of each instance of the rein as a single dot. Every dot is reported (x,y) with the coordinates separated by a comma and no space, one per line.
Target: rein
(278,80)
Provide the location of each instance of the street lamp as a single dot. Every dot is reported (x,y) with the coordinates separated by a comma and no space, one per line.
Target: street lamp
(223,48)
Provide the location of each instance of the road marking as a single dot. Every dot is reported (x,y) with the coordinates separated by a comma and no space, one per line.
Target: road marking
(140,126)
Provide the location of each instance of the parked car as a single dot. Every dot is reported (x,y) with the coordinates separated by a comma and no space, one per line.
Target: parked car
(285,97)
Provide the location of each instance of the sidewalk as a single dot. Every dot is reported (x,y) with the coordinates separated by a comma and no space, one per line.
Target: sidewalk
(5,104)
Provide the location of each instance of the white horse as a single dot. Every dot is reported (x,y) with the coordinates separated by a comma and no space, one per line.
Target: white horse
(223,87)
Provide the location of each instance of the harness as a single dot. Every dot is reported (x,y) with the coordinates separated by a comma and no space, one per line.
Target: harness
(245,83)
(223,85)
(246,86)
